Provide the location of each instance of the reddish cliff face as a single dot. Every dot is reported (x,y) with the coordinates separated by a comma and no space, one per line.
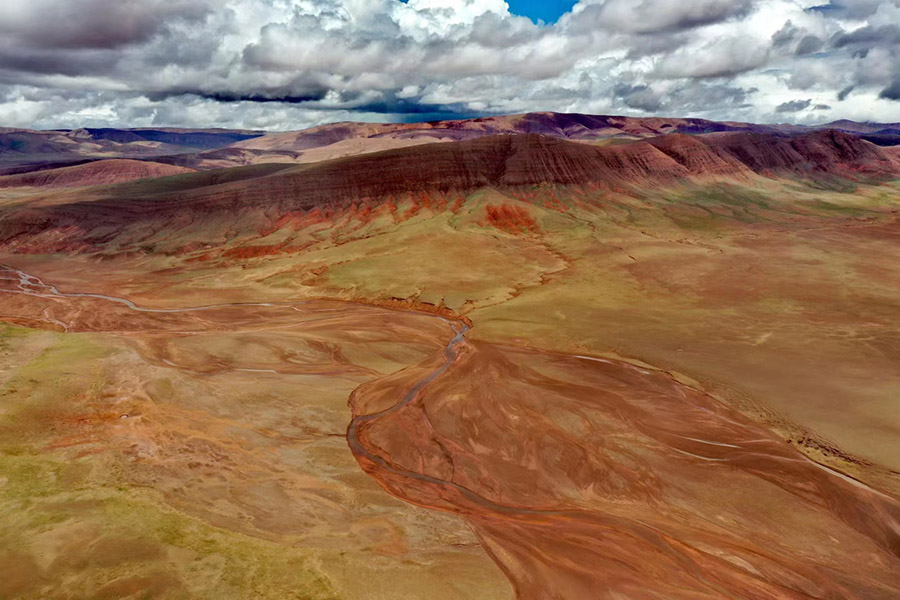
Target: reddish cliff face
(818,152)
(24,150)
(514,160)
(698,156)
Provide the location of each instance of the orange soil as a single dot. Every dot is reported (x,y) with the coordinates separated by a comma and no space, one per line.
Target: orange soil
(599,479)
(513,219)
(583,477)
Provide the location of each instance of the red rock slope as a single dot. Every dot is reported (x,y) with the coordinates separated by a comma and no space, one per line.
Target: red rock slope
(504,161)
(513,160)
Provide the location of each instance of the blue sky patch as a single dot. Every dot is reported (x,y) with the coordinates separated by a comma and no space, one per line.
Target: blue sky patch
(548,11)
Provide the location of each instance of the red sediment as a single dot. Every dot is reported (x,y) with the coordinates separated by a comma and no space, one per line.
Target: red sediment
(413,304)
(510,218)
(253,251)
(593,479)
(457,204)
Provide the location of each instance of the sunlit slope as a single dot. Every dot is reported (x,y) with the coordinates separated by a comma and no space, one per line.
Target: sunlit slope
(747,282)
(91,174)
(657,490)
(240,199)
(337,140)
(761,266)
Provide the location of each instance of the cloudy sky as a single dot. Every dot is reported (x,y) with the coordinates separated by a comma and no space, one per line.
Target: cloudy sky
(289,64)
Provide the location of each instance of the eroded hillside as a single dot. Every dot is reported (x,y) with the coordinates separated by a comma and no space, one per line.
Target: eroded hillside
(657,368)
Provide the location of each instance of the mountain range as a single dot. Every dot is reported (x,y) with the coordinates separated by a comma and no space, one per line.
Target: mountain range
(531,356)
(22,149)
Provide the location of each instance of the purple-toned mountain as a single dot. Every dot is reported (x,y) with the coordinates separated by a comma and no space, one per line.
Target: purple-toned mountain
(23,150)
(338,140)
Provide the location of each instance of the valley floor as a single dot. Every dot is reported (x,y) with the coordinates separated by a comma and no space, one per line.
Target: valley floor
(684,395)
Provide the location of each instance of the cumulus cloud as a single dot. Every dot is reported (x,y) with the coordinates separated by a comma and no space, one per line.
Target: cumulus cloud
(293,63)
(722,57)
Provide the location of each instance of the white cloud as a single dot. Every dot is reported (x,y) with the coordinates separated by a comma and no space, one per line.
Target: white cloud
(292,63)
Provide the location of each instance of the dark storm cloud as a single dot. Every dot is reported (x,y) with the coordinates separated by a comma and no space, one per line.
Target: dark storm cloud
(699,94)
(649,16)
(891,92)
(848,9)
(796,39)
(93,24)
(809,44)
(786,35)
(869,36)
(323,99)
(656,43)
(641,97)
(43,62)
(690,95)
(263,98)
(414,108)
(292,63)
(793,106)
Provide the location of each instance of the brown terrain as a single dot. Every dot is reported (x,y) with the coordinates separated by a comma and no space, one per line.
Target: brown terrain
(507,161)
(338,140)
(101,172)
(22,149)
(538,356)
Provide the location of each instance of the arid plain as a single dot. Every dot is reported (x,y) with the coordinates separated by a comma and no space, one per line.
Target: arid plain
(538,356)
